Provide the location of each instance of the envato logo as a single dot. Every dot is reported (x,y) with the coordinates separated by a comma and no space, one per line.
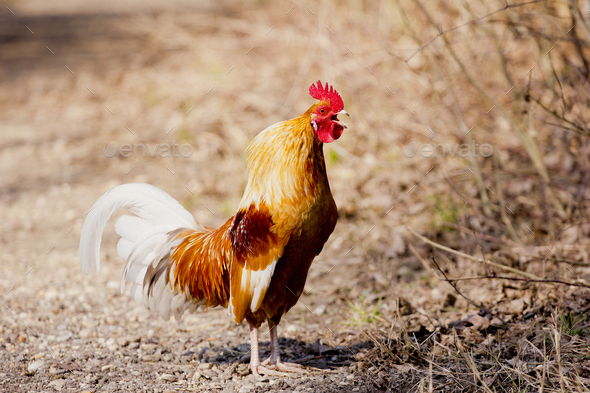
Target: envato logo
(464,150)
(163,150)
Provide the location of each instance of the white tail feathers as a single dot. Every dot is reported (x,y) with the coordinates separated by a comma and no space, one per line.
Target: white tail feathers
(150,203)
(146,243)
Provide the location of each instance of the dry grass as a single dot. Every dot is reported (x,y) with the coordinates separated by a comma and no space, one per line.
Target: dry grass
(440,320)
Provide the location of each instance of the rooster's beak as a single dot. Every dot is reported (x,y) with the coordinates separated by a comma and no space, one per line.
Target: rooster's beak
(338,121)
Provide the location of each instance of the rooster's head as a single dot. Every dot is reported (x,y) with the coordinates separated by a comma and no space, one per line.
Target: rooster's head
(324,117)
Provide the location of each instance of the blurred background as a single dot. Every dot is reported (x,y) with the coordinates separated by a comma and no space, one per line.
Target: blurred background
(423,83)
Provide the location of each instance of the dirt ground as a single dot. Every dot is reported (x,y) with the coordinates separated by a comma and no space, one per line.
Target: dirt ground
(378,312)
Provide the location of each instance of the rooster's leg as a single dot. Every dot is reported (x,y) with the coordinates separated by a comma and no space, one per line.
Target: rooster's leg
(275,355)
(255,365)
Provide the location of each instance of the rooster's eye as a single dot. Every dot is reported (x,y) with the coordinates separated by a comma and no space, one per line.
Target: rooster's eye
(322,110)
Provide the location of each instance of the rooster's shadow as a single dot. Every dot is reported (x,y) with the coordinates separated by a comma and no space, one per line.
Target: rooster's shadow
(314,355)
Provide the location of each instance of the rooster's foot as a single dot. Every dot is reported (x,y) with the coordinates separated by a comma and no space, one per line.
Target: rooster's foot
(261,370)
(285,367)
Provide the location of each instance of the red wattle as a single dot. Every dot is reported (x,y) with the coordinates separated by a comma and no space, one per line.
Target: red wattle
(330,133)
(338,130)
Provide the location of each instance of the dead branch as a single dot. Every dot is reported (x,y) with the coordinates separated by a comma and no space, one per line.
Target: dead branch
(441,32)
(578,129)
(454,285)
(558,260)
(531,277)
(496,265)
(521,279)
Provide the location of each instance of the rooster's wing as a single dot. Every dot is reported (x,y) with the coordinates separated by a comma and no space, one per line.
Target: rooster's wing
(256,250)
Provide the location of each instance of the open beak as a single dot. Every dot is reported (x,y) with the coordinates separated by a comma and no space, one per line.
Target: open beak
(338,121)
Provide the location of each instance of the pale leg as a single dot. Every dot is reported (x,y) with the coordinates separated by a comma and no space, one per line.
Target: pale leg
(275,354)
(255,365)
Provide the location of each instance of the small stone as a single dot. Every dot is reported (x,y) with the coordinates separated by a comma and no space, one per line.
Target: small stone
(205,366)
(85,333)
(246,388)
(38,356)
(351,376)
(35,365)
(262,379)
(123,341)
(63,337)
(196,376)
(319,310)
(110,344)
(19,358)
(133,345)
(107,367)
(169,377)
(57,384)
(111,387)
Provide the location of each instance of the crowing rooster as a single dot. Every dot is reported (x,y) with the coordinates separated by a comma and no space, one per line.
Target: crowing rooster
(256,264)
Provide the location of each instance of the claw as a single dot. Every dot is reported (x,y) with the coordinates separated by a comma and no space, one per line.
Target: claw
(286,367)
(290,368)
(267,371)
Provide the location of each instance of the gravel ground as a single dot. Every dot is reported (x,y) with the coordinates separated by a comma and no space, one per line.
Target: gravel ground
(376,314)
(61,330)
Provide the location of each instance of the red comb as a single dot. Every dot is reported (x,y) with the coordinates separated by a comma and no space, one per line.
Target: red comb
(320,93)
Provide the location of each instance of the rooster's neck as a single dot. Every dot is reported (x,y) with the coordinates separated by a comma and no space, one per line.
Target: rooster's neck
(285,165)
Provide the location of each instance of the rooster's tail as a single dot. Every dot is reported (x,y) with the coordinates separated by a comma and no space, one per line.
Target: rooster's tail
(147,241)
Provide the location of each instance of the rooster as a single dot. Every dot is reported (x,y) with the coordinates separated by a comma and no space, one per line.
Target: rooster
(257,263)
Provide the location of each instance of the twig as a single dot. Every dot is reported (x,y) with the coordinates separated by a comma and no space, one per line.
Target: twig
(583,131)
(558,260)
(471,22)
(482,253)
(563,110)
(497,265)
(471,364)
(488,238)
(527,140)
(533,278)
(561,233)
(424,263)
(525,280)
(503,214)
(454,285)
(485,199)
